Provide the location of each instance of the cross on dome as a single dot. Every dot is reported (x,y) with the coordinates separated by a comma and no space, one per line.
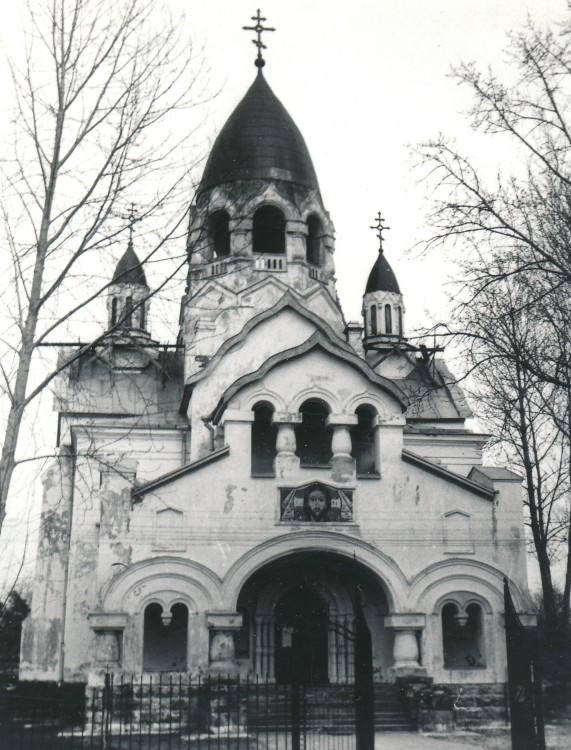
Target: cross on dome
(259,29)
(380,228)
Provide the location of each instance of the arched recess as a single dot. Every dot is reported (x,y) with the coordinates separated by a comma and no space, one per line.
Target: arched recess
(263,441)
(165,638)
(314,241)
(388,320)
(218,229)
(301,607)
(463,641)
(268,230)
(388,573)
(363,441)
(148,580)
(313,439)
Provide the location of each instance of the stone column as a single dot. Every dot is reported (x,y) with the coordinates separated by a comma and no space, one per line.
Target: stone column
(222,654)
(406,657)
(296,233)
(241,237)
(286,462)
(342,463)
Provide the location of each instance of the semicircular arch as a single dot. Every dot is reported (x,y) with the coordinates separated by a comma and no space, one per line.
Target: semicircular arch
(148,578)
(388,573)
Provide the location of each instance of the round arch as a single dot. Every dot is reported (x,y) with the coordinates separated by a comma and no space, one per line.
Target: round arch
(384,569)
(152,579)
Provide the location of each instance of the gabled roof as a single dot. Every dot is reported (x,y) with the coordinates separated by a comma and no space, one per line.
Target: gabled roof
(318,340)
(449,476)
(172,476)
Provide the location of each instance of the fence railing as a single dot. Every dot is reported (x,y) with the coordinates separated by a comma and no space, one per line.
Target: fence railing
(176,712)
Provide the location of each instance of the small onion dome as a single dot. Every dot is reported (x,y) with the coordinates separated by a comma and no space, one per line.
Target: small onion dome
(259,141)
(382,277)
(129,269)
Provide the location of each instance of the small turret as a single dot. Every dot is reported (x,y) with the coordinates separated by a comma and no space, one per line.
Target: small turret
(383,307)
(127,303)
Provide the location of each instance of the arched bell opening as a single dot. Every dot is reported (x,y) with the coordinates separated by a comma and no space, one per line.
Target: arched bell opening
(313,439)
(218,229)
(363,441)
(301,611)
(165,638)
(268,230)
(264,434)
(314,241)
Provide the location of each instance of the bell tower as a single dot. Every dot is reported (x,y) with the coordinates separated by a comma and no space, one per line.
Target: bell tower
(258,227)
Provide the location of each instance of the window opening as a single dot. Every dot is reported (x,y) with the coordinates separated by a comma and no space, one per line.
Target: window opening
(128,320)
(462,637)
(399,314)
(312,437)
(269,230)
(373,319)
(142,318)
(165,638)
(264,436)
(314,235)
(114,311)
(218,225)
(363,441)
(388,319)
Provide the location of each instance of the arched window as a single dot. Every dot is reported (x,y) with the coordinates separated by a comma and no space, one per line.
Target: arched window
(115,308)
(142,317)
(462,636)
(269,230)
(128,320)
(264,435)
(313,439)
(363,441)
(314,235)
(373,319)
(218,226)
(399,313)
(388,319)
(165,638)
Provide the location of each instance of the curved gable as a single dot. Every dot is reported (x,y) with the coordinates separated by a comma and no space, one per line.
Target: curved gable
(317,341)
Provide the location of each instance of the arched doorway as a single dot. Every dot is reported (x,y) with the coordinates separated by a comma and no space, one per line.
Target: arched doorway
(300,615)
(301,637)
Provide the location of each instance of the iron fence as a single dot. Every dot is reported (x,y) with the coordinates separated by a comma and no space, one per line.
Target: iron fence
(175,712)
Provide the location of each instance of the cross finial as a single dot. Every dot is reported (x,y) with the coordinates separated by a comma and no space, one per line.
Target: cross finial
(132,219)
(379,226)
(258,28)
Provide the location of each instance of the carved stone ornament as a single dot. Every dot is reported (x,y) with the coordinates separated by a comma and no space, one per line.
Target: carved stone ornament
(316,503)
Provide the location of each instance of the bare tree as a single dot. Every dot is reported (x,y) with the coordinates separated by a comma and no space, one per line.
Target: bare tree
(511,238)
(95,95)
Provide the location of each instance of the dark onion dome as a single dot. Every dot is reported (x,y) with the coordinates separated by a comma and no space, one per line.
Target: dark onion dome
(259,141)
(382,277)
(129,269)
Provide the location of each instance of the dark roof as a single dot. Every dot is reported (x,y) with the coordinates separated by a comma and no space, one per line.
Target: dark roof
(259,141)
(129,269)
(382,277)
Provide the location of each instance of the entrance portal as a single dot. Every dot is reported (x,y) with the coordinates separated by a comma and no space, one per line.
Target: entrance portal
(299,619)
(301,633)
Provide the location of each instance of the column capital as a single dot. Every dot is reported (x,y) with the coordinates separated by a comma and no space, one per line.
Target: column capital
(405,621)
(287,417)
(341,420)
(224,620)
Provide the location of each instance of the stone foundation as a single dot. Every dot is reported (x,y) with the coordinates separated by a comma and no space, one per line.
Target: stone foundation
(439,708)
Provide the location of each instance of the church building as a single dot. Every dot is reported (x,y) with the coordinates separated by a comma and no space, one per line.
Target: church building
(218,505)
